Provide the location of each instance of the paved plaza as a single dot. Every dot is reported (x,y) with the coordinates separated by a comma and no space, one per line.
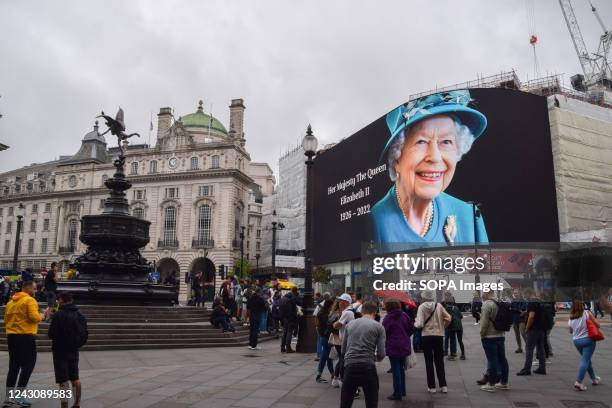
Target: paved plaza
(236,377)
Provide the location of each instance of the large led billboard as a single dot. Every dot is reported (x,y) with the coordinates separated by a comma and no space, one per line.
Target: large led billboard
(411,176)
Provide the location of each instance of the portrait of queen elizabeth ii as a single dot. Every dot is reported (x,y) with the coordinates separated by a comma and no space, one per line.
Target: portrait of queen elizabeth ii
(428,137)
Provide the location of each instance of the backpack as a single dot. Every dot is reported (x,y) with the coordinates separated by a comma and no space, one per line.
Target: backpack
(286,308)
(356,314)
(504,317)
(75,330)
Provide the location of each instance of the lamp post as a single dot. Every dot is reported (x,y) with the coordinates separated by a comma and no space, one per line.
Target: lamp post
(274,223)
(20,211)
(241,250)
(307,337)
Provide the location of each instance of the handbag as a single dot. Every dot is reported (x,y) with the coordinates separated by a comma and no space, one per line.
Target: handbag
(333,354)
(595,333)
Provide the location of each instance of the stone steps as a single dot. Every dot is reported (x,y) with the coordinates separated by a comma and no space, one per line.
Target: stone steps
(142,327)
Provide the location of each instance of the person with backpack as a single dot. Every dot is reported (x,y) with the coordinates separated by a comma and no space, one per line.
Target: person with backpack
(432,319)
(495,318)
(68,333)
(275,312)
(535,332)
(289,316)
(454,332)
(324,330)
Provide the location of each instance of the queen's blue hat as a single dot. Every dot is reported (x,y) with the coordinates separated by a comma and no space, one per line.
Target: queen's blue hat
(453,103)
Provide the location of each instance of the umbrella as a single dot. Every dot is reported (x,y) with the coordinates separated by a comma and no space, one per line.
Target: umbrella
(396,294)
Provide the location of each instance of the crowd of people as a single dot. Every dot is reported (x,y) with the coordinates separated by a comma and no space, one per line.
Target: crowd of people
(352,337)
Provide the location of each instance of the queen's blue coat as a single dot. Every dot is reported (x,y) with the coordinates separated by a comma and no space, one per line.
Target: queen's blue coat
(389,225)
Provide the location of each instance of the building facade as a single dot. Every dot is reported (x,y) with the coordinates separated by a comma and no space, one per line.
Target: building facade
(197,186)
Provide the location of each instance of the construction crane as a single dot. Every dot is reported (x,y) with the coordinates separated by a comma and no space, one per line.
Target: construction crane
(597,72)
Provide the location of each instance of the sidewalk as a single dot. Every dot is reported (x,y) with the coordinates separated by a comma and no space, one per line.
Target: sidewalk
(236,377)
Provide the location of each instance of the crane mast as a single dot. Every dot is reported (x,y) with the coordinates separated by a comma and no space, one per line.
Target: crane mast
(595,66)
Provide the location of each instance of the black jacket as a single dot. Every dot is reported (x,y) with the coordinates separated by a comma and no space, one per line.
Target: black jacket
(256,305)
(67,329)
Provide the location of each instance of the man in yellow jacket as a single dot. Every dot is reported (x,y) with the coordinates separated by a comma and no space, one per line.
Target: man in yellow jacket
(21,318)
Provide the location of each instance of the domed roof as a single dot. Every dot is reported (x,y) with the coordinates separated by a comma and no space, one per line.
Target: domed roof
(199,119)
(94,135)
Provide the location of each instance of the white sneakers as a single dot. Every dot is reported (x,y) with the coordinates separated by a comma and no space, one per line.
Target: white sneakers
(431,390)
(444,390)
(597,380)
(336,383)
(579,386)
(488,388)
(254,348)
(501,386)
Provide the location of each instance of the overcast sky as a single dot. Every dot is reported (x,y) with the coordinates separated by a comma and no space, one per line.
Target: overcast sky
(336,64)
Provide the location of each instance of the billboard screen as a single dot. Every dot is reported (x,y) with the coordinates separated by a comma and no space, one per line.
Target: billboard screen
(411,175)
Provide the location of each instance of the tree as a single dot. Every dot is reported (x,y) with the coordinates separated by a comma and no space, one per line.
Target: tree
(320,274)
(244,271)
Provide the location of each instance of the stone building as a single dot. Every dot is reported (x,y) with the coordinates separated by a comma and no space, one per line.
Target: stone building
(197,186)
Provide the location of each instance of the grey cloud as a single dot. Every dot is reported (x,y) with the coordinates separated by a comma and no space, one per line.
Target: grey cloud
(338,65)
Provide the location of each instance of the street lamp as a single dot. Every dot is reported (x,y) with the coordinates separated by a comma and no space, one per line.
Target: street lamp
(307,342)
(241,250)
(20,212)
(275,225)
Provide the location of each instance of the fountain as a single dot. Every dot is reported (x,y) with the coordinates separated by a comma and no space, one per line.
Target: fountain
(112,270)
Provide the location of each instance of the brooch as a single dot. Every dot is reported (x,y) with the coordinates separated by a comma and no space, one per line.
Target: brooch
(450,229)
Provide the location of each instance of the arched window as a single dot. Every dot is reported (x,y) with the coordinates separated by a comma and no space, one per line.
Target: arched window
(72,234)
(153,166)
(138,212)
(204,219)
(194,163)
(215,162)
(237,222)
(134,168)
(170,225)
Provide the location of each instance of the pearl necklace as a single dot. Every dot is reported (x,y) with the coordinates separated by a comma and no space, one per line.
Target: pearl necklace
(428,215)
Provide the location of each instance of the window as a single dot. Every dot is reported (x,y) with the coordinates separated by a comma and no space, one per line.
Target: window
(139,194)
(43,246)
(33,226)
(237,218)
(46,224)
(258,233)
(205,191)
(73,206)
(194,163)
(215,162)
(34,208)
(30,246)
(138,213)
(47,207)
(104,178)
(170,225)
(134,168)
(72,234)
(7,246)
(72,181)
(204,219)
(1,211)
(153,166)
(172,192)
(258,245)
(101,204)
(248,244)
(10,211)
(9,227)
